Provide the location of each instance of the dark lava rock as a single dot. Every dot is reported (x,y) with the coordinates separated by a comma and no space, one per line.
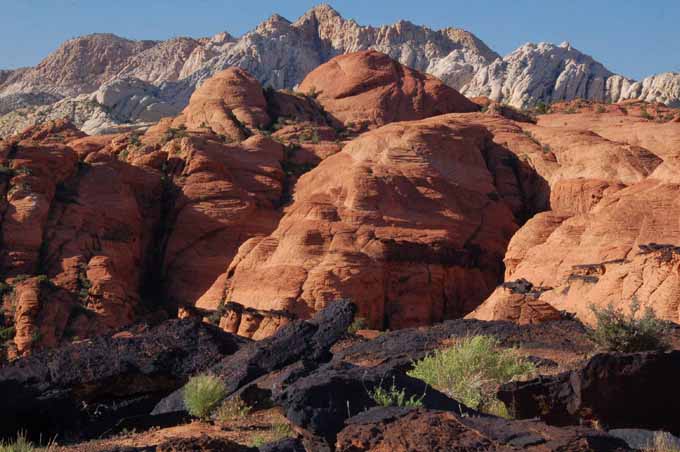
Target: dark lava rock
(636,390)
(203,444)
(645,439)
(319,403)
(285,445)
(402,347)
(81,390)
(308,340)
(421,430)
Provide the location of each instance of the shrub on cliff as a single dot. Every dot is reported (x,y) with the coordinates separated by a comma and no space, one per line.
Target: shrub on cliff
(616,331)
(202,394)
(471,371)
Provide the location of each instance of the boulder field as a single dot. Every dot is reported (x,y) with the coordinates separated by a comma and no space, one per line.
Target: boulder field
(373,183)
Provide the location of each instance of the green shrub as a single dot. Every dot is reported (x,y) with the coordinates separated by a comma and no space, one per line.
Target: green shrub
(7,334)
(542,108)
(394,396)
(359,323)
(276,433)
(471,371)
(232,409)
(202,394)
(617,332)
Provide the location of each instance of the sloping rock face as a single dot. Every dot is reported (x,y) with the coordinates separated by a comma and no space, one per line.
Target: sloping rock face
(78,66)
(420,430)
(603,392)
(606,239)
(516,301)
(84,389)
(98,231)
(369,88)
(406,221)
(225,103)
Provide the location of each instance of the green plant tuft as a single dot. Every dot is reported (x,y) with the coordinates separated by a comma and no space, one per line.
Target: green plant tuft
(471,371)
(22,444)
(232,409)
(617,332)
(276,433)
(394,396)
(202,394)
(359,323)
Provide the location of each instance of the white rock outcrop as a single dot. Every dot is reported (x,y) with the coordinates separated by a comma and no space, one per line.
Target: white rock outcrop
(141,81)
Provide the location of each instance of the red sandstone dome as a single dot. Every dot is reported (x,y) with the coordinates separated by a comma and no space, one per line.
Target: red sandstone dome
(370,89)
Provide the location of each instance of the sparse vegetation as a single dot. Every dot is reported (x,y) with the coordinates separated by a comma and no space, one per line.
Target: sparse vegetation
(216,316)
(202,394)
(7,334)
(542,108)
(546,148)
(313,93)
(22,444)
(663,442)
(471,370)
(617,332)
(232,409)
(645,114)
(175,132)
(393,396)
(6,171)
(134,139)
(276,433)
(600,109)
(359,323)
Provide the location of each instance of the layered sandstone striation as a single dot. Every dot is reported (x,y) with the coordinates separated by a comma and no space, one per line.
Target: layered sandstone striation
(369,88)
(406,221)
(609,237)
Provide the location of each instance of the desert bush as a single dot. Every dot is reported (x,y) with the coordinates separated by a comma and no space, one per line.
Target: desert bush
(232,409)
(663,442)
(393,396)
(542,108)
(202,394)
(22,444)
(277,432)
(359,323)
(471,371)
(618,332)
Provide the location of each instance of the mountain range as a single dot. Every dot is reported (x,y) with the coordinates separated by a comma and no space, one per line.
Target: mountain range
(103,82)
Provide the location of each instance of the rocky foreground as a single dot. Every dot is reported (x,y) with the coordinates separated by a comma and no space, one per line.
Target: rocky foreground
(246,234)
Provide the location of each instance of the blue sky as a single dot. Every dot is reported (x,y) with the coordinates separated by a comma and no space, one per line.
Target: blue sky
(632,37)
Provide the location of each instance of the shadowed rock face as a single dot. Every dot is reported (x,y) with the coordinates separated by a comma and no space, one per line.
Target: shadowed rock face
(84,389)
(370,89)
(603,391)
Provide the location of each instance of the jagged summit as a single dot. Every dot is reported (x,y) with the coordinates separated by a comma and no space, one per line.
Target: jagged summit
(280,53)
